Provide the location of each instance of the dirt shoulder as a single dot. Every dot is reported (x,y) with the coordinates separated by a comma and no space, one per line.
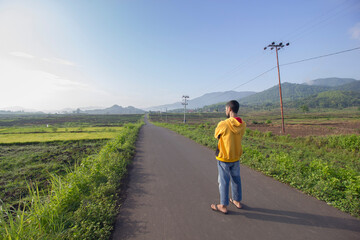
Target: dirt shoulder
(307,129)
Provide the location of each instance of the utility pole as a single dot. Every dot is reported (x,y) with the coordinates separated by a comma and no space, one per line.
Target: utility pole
(166,114)
(278,47)
(185,97)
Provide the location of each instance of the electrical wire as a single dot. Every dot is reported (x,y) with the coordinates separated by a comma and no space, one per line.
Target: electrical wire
(293,36)
(320,20)
(291,63)
(299,33)
(322,56)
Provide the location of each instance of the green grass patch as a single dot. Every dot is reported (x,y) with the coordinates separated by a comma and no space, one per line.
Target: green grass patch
(22,164)
(46,136)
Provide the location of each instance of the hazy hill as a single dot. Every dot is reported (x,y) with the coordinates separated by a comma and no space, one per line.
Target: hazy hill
(329,99)
(290,91)
(17,109)
(295,95)
(293,91)
(353,86)
(207,99)
(115,110)
(330,82)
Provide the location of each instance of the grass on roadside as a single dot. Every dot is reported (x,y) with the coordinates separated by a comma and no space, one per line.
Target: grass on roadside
(29,163)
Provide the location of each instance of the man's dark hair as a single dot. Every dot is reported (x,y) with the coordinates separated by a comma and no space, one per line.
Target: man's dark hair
(234,105)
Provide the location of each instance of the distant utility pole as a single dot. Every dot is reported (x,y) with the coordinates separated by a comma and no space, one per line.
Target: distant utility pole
(278,47)
(166,113)
(185,97)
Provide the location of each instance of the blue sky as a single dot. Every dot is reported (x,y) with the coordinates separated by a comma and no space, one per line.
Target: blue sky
(58,54)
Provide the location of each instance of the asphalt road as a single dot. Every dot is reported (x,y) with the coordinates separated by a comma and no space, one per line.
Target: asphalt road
(173,181)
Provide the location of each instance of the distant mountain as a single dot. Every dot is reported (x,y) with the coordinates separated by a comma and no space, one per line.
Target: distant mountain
(116,109)
(290,92)
(295,95)
(17,109)
(207,99)
(330,82)
(293,91)
(328,99)
(353,86)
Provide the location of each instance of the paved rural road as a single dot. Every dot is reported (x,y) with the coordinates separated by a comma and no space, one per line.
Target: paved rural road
(174,180)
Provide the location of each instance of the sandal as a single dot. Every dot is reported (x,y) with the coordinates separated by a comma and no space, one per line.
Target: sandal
(232,201)
(215,208)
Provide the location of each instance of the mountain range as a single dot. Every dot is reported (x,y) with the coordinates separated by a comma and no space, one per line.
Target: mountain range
(322,92)
(330,82)
(335,93)
(206,99)
(115,109)
(293,91)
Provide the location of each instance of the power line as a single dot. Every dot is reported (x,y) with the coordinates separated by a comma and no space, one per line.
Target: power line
(322,56)
(321,20)
(312,24)
(254,78)
(299,61)
(235,71)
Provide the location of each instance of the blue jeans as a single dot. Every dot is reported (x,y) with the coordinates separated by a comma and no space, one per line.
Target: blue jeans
(229,171)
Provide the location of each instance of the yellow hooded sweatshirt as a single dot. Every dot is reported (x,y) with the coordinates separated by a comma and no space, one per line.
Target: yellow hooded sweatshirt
(229,133)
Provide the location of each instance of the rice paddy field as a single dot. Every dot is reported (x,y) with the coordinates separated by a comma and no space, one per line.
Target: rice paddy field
(35,147)
(61,175)
(24,135)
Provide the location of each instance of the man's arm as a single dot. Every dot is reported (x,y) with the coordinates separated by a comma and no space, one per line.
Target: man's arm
(219,130)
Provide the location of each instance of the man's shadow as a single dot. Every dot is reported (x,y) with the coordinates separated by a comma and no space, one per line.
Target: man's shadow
(298,218)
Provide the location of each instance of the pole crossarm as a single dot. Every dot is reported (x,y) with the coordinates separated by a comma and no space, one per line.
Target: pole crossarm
(276,46)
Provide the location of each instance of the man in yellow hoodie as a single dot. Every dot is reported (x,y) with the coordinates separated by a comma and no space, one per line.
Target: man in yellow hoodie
(229,150)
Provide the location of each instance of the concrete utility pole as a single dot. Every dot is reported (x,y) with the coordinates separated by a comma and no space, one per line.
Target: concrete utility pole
(278,47)
(166,113)
(185,97)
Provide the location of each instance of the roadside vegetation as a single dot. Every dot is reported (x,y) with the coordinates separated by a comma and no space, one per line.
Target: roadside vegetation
(326,167)
(26,164)
(63,189)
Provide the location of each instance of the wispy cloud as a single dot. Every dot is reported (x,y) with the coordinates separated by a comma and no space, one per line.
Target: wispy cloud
(53,60)
(59,61)
(355,31)
(22,55)
(51,81)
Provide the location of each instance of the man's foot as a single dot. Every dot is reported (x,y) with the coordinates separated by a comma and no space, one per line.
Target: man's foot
(236,203)
(219,207)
